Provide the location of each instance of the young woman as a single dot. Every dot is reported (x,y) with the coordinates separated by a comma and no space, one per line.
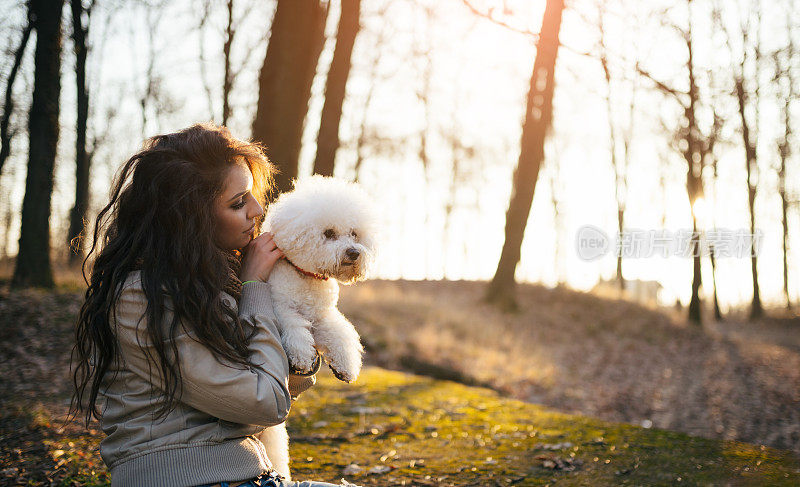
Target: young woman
(177,351)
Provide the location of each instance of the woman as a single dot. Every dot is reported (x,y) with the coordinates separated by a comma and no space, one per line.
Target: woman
(179,360)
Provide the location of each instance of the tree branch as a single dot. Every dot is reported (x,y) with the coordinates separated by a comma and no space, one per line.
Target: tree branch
(8,107)
(677,94)
(488,16)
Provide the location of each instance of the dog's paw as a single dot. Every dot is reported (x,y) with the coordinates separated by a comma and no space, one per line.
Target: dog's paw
(303,362)
(343,375)
(344,370)
(314,367)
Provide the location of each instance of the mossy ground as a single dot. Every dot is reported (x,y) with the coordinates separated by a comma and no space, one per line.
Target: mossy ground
(407,430)
(431,432)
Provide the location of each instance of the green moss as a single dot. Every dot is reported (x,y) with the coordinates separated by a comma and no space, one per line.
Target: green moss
(442,433)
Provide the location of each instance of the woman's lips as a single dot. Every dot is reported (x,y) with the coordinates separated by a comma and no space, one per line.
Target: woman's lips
(250,230)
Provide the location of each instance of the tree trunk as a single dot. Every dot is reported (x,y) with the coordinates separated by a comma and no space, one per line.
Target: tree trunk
(78,217)
(228,81)
(335,87)
(612,135)
(693,155)
(751,161)
(8,218)
(8,107)
(717,311)
(424,96)
(784,150)
(297,38)
(695,305)
(33,267)
(711,247)
(785,224)
(458,154)
(538,116)
(557,217)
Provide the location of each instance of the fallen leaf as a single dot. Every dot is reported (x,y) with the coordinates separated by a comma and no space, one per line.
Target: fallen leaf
(553,446)
(566,464)
(352,469)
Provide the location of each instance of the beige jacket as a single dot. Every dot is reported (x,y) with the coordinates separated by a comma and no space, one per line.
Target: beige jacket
(208,437)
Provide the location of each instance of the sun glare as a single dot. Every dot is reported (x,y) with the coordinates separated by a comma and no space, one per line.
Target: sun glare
(699,210)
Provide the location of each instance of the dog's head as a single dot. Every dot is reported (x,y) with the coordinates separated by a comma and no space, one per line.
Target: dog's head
(326,226)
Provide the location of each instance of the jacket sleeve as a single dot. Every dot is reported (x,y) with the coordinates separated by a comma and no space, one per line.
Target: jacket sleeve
(225,391)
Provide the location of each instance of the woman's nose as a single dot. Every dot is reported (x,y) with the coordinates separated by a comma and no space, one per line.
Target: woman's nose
(255,210)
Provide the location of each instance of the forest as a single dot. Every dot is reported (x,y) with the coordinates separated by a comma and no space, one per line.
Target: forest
(591,205)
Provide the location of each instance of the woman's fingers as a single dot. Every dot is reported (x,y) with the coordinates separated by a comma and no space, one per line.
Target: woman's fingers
(260,255)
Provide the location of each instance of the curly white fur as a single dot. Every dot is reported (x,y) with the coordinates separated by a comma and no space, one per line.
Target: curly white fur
(327,227)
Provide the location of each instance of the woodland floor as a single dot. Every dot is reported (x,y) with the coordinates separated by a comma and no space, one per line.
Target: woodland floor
(570,351)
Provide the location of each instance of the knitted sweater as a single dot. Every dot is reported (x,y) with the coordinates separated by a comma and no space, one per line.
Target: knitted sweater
(209,436)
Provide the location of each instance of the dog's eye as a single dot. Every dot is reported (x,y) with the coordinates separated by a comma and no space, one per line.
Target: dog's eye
(354,234)
(329,233)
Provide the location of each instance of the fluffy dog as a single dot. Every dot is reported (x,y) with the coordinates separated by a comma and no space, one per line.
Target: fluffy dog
(326,229)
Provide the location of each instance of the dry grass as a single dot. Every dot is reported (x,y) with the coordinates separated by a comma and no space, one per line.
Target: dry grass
(596,356)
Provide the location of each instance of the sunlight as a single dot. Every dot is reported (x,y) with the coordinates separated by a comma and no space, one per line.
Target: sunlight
(700,211)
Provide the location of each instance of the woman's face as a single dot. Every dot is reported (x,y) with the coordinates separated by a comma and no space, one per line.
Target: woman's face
(236,210)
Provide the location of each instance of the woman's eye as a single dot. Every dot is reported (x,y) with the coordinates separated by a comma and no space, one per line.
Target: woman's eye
(238,205)
(329,233)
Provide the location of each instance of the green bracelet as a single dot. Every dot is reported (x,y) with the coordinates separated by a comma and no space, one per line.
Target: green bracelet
(245,282)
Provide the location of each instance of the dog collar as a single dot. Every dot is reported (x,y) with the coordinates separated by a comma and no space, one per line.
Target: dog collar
(306,273)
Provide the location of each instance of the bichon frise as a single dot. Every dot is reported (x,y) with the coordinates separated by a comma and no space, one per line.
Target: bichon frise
(326,229)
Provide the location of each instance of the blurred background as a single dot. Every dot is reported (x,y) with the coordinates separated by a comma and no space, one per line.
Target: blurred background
(425,107)
(491,133)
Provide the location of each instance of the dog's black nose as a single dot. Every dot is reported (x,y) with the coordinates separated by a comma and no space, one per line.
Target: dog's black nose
(352,253)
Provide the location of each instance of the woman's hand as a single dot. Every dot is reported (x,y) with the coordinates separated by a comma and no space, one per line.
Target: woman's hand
(259,258)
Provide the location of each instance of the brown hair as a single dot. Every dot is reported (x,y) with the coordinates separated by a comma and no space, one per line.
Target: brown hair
(160,220)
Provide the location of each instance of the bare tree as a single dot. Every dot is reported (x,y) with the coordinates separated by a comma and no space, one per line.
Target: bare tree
(205,15)
(298,35)
(619,165)
(538,117)
(712,164)
(787,93)
(152,83)
(8,106)
(78,217)
(746,69)
(745,97)
(556,200)
(227,81)
(461,155)
(335,87)
(424,52)
(154,100)
(378,46)
(33,266)
(230,73)
(711,247)
(693,145)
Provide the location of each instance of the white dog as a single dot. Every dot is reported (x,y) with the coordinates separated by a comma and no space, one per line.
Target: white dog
(326,229)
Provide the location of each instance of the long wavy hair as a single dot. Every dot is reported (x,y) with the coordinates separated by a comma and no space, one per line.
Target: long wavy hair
(160,220)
